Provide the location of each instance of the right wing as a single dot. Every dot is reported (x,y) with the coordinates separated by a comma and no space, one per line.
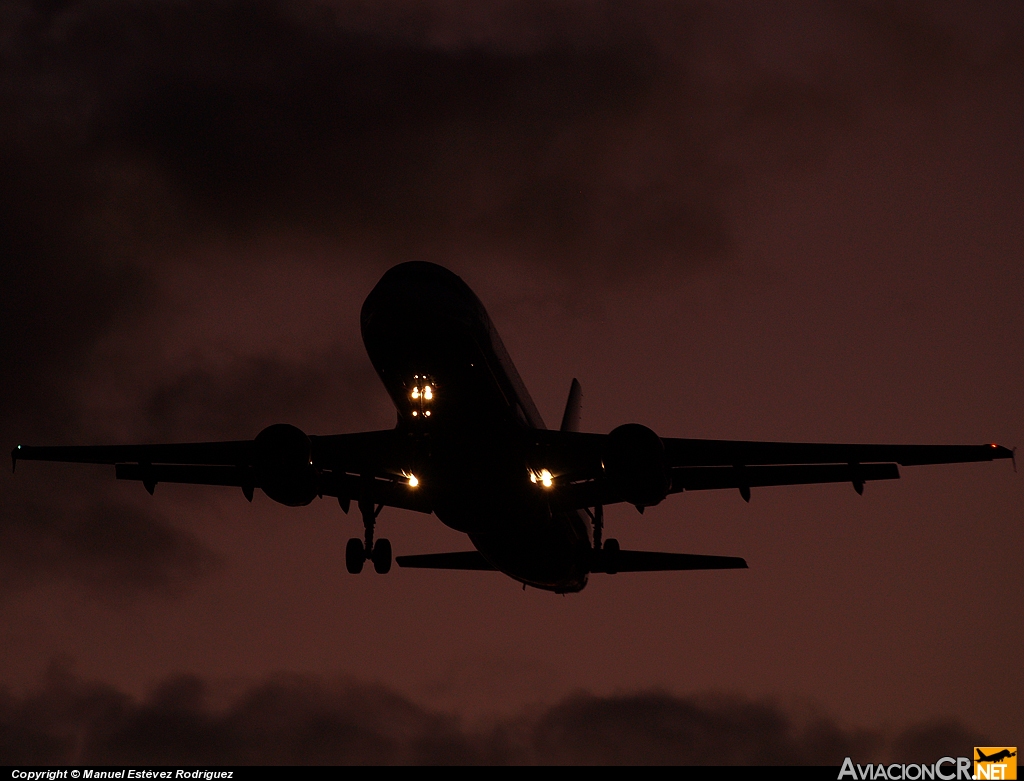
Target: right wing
(699,464)
(578,460)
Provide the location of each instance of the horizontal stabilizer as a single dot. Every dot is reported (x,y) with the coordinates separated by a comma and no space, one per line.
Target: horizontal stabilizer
(611,561)
(469,559)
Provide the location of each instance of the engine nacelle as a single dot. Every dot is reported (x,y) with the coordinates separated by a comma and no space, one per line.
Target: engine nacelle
(635,465)
(283,464)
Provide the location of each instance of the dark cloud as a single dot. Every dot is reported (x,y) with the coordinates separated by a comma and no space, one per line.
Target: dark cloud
(283,720)
(578,134)
(57,293)
(323,393)
(290,719)
(584,136)
(924,742)
(692,731)
(113,548)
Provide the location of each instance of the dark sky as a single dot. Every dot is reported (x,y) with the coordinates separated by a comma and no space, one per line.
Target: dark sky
(787,221)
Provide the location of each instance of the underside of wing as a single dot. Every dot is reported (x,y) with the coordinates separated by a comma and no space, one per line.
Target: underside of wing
(633,465)
(289,466)
(724,452)
(701,464)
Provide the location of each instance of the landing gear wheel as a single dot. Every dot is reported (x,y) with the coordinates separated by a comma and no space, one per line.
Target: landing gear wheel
(611,556)
(355,556)
(381,557)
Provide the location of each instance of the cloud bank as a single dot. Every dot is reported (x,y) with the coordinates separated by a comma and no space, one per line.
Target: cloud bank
(290,719)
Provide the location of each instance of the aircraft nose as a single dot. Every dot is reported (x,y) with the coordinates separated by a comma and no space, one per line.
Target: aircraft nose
(418,289)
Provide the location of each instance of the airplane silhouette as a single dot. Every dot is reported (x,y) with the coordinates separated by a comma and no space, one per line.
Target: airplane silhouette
(471,448)
(1004,754)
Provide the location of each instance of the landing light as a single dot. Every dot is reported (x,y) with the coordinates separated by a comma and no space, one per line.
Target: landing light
(413,481)
(422,394)
(544,476)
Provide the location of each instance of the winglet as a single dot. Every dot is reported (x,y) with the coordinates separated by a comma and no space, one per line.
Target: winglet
(14,458)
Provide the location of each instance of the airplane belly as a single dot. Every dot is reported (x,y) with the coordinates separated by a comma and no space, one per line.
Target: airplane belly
(549,552)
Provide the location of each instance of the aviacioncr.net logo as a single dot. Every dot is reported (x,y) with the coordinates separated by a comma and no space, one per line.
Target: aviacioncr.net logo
(995,762)
(946,769)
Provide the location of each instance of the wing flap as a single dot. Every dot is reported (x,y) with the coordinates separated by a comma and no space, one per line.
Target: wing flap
(198,475)
(352,467)
(700,478)
(388,491)
(576,496)
(720,452)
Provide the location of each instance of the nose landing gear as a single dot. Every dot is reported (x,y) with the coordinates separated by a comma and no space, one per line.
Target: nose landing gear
(358,551)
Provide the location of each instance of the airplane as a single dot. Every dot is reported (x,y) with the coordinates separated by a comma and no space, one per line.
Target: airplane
(471,448)
(999,755)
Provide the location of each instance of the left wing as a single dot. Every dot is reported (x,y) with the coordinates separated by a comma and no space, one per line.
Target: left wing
(286,464)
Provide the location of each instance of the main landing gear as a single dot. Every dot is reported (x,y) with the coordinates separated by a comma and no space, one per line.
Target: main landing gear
(358,551)
(598,518)
(605,554)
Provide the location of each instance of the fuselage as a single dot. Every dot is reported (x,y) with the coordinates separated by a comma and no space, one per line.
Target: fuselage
(465,409)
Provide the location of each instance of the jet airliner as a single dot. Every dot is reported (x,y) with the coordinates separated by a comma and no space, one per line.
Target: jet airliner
(470,447)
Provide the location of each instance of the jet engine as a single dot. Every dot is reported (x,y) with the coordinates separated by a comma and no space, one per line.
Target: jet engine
(282,459)
(635,466)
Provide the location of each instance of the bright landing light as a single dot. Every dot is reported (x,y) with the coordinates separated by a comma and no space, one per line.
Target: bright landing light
(544,476)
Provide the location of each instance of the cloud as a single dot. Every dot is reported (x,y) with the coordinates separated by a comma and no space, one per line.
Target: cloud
(325,393)
(598,139)
(113,548)
(587,135)
(291,719)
